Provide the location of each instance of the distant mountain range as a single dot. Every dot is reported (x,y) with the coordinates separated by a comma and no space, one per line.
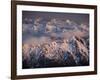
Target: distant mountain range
(54,43)
(73,52)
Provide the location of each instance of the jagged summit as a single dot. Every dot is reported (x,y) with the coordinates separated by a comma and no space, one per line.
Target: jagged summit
(71,52)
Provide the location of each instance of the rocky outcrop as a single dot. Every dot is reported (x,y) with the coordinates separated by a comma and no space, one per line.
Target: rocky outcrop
(72,52)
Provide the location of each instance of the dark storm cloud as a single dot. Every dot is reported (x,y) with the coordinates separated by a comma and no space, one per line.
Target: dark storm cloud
(77,17)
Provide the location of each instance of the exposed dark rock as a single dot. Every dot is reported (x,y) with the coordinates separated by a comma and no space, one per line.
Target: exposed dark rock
(75,54)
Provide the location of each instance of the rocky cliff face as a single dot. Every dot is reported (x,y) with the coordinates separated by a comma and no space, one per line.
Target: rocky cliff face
(73,52)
